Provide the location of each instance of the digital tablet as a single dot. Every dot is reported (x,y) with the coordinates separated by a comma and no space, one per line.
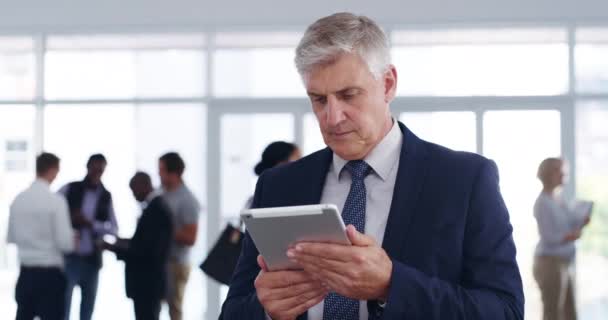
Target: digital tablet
(274,230)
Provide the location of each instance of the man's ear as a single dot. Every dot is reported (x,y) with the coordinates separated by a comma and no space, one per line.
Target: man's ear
(389,79)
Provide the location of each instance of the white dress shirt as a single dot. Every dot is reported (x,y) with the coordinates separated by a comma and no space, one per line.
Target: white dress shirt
(379,185)
(554,221)
(39,224)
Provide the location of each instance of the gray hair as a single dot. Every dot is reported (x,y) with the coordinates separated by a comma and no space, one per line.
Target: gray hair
(340,33)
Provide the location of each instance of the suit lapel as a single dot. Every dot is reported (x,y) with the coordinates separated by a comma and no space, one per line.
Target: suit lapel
(410,178)
(313,180)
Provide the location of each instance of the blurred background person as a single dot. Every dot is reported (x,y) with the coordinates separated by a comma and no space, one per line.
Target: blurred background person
(146,254)
(185,210)
(276,153)
(559,227)
(39,224)
(223,256)
(92,216)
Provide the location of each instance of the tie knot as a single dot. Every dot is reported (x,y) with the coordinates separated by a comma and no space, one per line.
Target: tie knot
(358,169)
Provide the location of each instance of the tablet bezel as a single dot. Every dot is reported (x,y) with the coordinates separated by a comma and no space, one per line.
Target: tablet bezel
(268,228)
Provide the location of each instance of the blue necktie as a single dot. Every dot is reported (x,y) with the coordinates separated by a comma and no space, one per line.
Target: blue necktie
(337,307)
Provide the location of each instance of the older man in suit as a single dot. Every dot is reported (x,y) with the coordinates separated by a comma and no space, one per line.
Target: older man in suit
(430,234)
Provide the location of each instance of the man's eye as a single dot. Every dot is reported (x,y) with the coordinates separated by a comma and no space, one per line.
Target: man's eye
(348,95)
(321,100)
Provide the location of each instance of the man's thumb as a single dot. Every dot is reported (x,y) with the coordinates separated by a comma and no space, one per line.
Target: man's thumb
(357,238)
(262,263)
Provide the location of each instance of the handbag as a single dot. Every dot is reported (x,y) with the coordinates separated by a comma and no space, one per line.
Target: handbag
(223,257)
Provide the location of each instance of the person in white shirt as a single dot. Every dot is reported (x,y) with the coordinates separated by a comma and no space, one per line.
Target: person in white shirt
(559,227)
(39,224)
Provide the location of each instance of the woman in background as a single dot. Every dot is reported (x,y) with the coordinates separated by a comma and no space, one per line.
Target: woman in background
(276,153)
(559,227)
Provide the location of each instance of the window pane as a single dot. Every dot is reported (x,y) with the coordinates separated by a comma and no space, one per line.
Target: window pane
(256,73)
(313,139)
(243,138)
(591,177)
(518,152)
(479,36)
(17,167)
(17,68)
(127,41)
(108,71)
(481,62)
(455,130)
(130,138)
(590,60)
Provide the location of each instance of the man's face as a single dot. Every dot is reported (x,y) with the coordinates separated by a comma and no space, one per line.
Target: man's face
(352,106)
(139,192)
(165,176)
(53,173)
(94,171)
(560,173)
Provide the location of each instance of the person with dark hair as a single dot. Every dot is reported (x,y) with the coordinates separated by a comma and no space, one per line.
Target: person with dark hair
(39,224)
(277,153)
(92,216)
(146,254)
(185,210)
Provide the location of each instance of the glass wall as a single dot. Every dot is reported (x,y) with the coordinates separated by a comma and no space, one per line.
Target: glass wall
(455,130)
(502,91)
(16,68)
(500,62)
(592,174)
(518,141)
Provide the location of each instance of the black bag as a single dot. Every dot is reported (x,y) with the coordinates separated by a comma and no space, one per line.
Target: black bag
(223,257)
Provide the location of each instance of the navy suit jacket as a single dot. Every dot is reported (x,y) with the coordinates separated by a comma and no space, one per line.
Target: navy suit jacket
(448,235)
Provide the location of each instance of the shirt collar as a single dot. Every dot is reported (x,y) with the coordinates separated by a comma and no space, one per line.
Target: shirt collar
(149,198)
(41,182)
(176,190)
(382,158)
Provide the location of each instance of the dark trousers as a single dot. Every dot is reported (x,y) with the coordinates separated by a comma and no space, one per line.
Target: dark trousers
(146,307)
(40,292)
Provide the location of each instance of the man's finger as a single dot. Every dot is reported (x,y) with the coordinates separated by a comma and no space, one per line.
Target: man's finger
(357,238)
(296,290)
(326,251)
(334,279)
(320,263)
(294,304)
(283,279)
(262,263)
(303,307)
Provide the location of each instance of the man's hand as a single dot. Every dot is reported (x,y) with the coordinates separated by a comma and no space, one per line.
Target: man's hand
(287,294)
(79,221)
(103,245)
(361,271)
(587,220)
(572,236)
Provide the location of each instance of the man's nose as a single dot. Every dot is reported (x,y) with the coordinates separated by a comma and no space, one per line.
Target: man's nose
(335,111)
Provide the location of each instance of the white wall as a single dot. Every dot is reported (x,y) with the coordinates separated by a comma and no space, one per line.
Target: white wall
(78,15)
